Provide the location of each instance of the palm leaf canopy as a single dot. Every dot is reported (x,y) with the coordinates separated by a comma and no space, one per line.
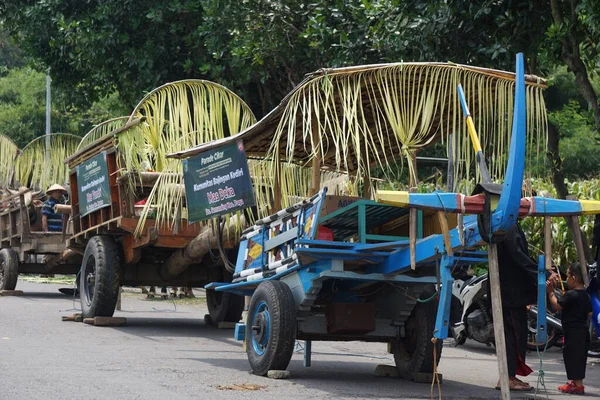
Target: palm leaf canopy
(355,119)
(33,170)
(8,152)
(101,130)
(174,117)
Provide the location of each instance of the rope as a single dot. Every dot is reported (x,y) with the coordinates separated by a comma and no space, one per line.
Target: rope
(428,299)
(435,377)
(541,373)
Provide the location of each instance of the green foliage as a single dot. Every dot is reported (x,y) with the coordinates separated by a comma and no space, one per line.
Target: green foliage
(23,108)
(563,247)
(22,105)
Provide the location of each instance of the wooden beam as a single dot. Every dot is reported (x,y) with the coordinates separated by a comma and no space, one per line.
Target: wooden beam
(316,161)
(445,232)
(576,231)
(412,233)
(494,277)
(277,184)
(548,242)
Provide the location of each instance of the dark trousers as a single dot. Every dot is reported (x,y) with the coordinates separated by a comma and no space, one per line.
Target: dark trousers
(575,349)
(515,334)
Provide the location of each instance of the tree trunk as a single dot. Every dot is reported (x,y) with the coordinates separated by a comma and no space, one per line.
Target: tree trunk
(570,55)
(558,177)
(201,245)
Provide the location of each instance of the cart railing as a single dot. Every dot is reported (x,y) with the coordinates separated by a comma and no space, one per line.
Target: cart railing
(269,246)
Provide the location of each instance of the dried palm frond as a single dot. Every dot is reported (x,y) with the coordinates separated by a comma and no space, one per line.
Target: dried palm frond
(8,152)
(371,117)
(34,170)
(101,130)
(178,116)
(352,120)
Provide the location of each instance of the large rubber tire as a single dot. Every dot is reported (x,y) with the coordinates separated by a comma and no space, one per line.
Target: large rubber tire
(224,307)
(9,269)
(271,327)
(532,344)
(413,353)
(99,277)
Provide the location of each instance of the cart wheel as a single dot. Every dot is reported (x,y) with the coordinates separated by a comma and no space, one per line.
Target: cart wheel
(9,269)
(271,327)
(99,277)
(413,353)
(224,307)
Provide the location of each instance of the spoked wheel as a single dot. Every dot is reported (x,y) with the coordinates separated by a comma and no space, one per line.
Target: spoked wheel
(224,307)
(532,343)
(9,269)
(413,353)
(271,327)
(99,277)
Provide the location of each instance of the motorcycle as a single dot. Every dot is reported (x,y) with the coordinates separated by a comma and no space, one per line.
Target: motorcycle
(555,331)
(471,311)
(471,314)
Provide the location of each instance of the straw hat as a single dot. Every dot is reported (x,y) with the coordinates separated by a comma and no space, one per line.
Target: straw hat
(56,187)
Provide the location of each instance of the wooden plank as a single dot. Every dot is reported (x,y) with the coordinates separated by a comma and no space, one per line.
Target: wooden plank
(131,253)
(6,293)
(115,207)
(316,161)
(445,232)
(576,231)
(109,138)
(412,233)
(494,277)
(548,242)
(185,229)
(106,321)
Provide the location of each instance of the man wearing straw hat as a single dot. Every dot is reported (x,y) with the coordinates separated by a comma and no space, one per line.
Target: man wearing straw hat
(51,221)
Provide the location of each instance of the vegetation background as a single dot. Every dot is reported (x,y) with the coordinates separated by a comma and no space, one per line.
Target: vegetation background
(104,55)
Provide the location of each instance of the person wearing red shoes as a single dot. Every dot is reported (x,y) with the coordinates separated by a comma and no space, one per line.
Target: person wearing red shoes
(576,309)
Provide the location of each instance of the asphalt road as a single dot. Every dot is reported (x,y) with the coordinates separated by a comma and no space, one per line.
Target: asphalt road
(166,351)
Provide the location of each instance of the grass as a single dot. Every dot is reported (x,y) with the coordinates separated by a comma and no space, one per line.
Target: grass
(68,280)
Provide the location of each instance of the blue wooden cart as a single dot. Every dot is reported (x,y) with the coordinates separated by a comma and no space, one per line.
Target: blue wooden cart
(372,285)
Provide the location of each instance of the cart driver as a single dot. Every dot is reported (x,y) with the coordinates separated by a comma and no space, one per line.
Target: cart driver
(51,221)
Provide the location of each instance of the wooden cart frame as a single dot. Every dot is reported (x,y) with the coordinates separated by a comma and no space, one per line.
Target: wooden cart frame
(123,257)
(26,250)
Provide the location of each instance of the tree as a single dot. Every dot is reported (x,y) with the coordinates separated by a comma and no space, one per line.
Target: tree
(23,108)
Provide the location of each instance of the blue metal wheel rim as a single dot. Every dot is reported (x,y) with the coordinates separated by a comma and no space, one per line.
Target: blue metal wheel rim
(261,309)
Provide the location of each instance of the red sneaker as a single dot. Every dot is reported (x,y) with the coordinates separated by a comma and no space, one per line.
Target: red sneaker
(571,388)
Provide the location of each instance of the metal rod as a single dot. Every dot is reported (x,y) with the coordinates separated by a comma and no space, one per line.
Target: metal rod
(48,127)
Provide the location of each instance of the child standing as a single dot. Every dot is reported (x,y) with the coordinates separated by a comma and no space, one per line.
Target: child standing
(575,316)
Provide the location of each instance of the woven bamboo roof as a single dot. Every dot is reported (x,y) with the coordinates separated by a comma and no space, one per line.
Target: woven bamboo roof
(262,139)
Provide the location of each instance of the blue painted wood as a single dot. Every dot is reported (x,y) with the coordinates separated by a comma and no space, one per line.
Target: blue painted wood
(241,258)
(426,249)
(542,328)
(508,205)
(240,331)
(442,320)
(547,206)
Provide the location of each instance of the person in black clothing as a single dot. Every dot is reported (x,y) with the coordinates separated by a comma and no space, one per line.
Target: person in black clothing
(518,288)
(576,309)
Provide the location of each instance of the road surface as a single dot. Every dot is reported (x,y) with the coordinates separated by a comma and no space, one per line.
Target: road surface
(167,351)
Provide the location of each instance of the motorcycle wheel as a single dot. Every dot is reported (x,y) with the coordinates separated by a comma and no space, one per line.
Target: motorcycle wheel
(532,343)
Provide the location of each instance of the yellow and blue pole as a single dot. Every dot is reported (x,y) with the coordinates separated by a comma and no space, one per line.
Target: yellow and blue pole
(485,174)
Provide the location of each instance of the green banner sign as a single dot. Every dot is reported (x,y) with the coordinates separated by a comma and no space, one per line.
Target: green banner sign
(92,184)
(217,182)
